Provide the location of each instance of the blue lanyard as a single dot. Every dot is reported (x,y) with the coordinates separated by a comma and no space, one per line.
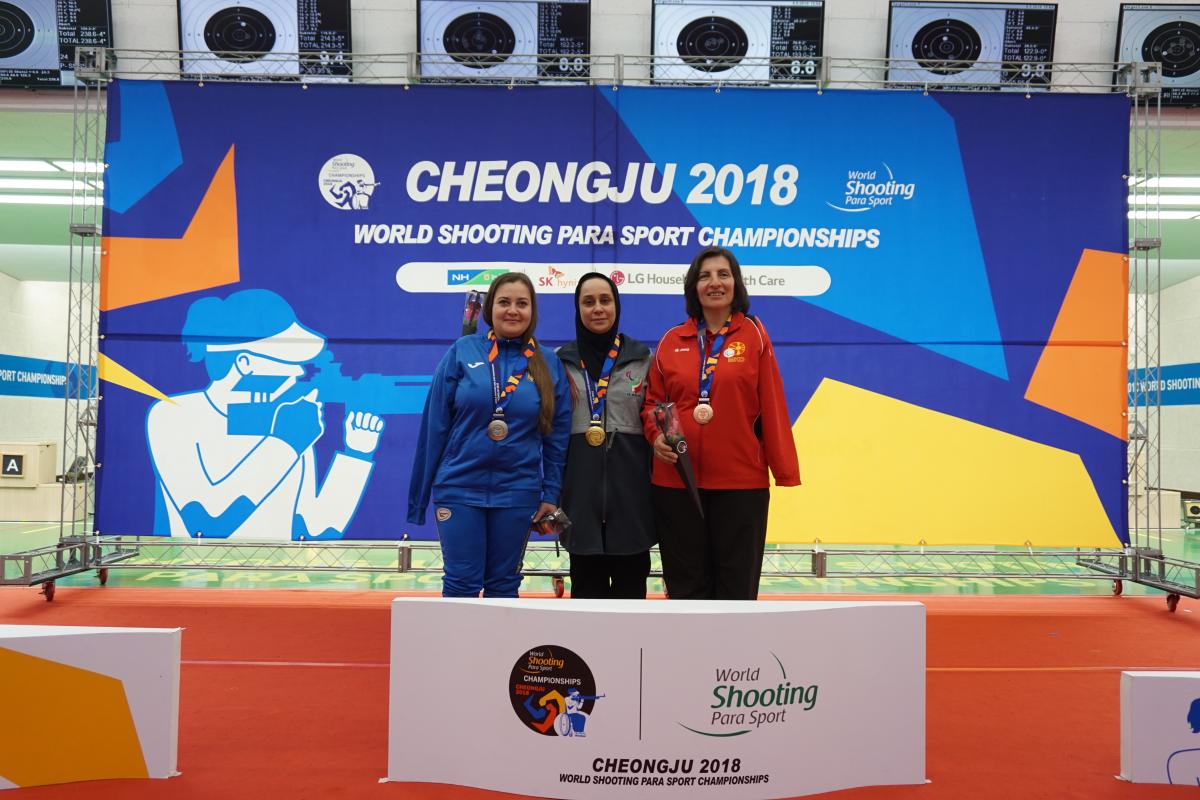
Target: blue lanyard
(599,393)
(708,356)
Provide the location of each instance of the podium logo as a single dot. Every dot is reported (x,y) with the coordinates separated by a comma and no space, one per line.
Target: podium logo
(746,698)
(553,692)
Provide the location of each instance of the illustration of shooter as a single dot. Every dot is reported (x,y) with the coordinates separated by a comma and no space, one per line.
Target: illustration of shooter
(237,458)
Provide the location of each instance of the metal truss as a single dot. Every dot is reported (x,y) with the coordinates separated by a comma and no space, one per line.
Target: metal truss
(80,549)
(472,68)
(83,312)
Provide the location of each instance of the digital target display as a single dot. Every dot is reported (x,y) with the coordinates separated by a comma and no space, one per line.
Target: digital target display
(278,39)
(1170,36)
(971,45)
(504,39)
(758,41)
(38,39)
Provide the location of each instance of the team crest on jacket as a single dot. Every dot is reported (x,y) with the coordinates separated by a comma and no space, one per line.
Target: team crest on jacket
(736,351)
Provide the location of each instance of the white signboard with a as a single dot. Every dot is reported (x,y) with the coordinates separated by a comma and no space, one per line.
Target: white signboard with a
(590,699)
(1160,727)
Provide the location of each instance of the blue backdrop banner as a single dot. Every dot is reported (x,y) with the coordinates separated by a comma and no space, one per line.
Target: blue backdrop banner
(922,262)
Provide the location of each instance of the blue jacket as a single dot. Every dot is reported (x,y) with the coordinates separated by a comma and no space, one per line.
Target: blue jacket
(455,460)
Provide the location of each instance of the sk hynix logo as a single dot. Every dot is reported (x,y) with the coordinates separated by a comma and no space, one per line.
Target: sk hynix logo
(867,188)
(746,698)
(552,691)
(347,182)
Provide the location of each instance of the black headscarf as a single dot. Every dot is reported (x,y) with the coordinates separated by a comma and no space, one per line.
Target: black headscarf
(593,347)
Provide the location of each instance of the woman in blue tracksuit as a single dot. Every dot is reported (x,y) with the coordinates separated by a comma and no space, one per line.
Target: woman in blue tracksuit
(492,445)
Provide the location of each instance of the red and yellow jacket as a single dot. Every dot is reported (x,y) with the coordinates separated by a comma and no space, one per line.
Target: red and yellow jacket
(727,453)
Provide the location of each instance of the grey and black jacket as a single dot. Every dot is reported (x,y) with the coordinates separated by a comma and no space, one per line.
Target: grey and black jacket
(606,489)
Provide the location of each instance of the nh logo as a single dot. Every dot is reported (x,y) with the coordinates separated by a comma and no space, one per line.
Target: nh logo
(12,466)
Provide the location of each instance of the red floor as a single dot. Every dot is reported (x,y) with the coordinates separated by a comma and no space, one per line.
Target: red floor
(284,694)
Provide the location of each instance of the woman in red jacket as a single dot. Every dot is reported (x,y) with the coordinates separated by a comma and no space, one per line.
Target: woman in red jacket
(719,369)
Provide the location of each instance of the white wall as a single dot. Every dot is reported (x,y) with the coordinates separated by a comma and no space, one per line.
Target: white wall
(33,323)
(1087,29)
(1179,312)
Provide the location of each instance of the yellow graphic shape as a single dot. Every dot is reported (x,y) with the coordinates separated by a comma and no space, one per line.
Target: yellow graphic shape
(113,372)
(1084,368)
(91,734)
(881,471)
(138,270)
(557,698)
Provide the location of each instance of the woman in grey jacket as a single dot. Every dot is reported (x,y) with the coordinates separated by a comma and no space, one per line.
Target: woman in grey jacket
(606,485)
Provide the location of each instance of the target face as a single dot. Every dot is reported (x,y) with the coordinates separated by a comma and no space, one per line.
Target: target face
(1177,46)
(705,42)
(478,40)
(946,46)
(28,35)
(239,34)
(712,44)
(254,37)
(1169,35)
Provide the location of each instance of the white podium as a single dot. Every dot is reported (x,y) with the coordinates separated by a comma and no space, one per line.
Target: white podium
(589,699)
(1160,727)
(83,704)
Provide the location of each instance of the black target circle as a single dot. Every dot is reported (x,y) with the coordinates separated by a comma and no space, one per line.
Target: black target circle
(712,44)
(1176,46)
(239,34)
(479,40)
(946,46)
(16,30)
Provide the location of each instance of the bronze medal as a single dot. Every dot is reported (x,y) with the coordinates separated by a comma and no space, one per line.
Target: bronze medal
(497,429)
(703,413)
(594,435)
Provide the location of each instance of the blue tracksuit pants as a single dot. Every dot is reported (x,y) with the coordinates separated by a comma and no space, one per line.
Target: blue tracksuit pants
(482,549)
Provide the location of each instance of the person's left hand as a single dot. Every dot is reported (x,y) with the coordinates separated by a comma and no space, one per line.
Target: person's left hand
(362,431)
(543,510)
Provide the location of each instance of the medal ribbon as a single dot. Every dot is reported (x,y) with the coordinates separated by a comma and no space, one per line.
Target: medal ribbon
(708,356)
(598,393)
(502,393)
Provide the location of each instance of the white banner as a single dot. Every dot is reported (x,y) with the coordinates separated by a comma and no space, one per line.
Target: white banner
(1160,727)
(592,699)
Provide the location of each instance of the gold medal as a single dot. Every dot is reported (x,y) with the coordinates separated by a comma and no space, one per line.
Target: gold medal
(497,429)
(702,413)
(594,435)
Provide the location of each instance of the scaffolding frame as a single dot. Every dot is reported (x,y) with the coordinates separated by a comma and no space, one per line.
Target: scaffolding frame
(81,548)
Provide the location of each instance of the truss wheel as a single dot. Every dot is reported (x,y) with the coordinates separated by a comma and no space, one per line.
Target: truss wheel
(1172,602)
(48,591)
(560,587)
(102,576)
(1118,588)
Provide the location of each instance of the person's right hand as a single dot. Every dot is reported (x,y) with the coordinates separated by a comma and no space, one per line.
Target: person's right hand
(663,451)
(299,422)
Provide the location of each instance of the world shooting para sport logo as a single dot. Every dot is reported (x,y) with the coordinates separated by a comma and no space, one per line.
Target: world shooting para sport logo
(866,189)
(553,692)
(749,697)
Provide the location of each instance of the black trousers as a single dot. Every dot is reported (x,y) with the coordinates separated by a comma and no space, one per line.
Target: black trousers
(610,577)
(717,556)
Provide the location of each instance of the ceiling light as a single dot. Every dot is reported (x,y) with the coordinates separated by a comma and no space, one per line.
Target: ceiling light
(93,166)
(18,165)
(58,200)
(1144,214)
(1168,182)
(1166,199)
(45,184)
